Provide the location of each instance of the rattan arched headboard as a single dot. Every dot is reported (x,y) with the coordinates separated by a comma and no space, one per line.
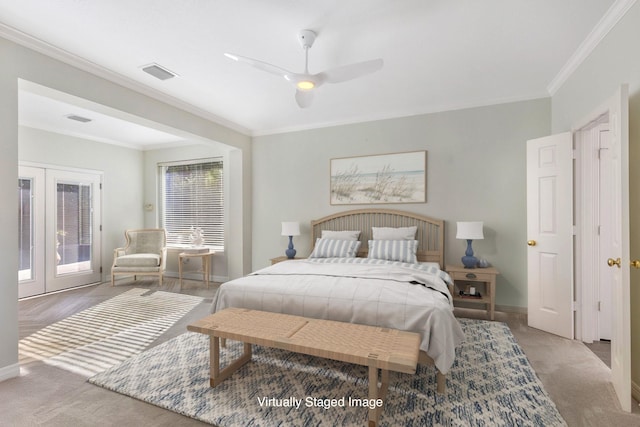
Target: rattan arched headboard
(430,232)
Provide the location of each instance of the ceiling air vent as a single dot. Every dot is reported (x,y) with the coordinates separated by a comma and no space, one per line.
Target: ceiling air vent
(158,72)
(78,118)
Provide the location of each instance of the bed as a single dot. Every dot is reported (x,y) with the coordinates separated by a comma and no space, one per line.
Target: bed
(368,266)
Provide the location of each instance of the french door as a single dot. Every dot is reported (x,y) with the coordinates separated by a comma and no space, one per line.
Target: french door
(59,229)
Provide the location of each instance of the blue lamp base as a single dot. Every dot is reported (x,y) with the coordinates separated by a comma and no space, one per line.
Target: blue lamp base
(468,260)
(290,252)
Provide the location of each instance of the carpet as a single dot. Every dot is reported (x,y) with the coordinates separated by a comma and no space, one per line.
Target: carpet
(490,384)
(99,337)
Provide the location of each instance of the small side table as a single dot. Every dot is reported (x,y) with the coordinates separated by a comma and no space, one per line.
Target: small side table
(466,277)
(206,264)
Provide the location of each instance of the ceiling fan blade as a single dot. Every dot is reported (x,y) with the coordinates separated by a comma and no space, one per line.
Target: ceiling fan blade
(261,65)
(352,71)
(304,98)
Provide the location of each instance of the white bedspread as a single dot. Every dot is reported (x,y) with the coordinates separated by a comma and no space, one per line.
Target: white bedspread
(408,297)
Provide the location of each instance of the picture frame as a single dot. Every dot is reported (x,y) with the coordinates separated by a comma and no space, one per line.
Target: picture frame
(379,179)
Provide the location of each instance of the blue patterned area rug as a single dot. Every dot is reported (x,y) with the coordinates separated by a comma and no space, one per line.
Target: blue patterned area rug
(491,384)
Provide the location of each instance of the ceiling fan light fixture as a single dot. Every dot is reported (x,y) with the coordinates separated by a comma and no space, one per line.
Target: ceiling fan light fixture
(305,85)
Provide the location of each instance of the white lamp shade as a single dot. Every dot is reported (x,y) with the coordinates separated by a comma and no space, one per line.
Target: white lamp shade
(290,228)
(470,230)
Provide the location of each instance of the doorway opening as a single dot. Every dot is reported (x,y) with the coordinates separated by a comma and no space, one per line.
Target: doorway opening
(598,236)
(594,231)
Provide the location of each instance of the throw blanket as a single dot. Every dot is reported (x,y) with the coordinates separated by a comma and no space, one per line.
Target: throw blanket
(409,297)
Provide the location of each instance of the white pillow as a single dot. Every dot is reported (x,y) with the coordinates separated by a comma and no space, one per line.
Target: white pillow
(340,235)
(332,248)
(394,250)
(389,233)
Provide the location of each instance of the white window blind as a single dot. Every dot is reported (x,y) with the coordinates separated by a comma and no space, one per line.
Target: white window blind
(192,196)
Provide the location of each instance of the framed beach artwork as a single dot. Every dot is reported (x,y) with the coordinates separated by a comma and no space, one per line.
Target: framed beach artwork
(383,178)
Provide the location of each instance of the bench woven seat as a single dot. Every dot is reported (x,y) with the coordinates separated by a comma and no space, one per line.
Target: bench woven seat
(378,348)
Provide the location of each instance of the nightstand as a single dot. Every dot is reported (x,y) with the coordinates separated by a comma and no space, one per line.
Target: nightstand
(482,279)
(280,259)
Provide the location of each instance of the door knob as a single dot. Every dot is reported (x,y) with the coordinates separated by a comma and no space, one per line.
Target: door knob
(531,243)
(635,263)
(611,262)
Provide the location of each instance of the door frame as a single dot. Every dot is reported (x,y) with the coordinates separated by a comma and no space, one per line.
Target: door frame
(59,278)
(36,284)
(621,373)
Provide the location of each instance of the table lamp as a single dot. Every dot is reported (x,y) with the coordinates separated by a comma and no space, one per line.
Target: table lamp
(469,231)
(290,229)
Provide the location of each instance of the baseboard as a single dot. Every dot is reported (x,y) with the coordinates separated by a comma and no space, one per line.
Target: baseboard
(196,276)
(10,371)
(174,275)
(635,391)
(511,309)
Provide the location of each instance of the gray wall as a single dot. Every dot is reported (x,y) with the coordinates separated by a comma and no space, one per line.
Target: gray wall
(476,171)
(8,217)
(615,61)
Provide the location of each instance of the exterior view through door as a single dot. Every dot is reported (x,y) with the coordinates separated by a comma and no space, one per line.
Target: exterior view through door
(59,229)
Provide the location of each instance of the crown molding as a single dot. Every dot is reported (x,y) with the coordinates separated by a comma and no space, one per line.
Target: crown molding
(602,28)
(62,55)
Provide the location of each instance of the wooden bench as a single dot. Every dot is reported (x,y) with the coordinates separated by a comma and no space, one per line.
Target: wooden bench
(378,348)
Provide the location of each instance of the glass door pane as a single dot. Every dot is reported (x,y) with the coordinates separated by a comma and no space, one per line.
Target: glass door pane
(25,230)
(73,227)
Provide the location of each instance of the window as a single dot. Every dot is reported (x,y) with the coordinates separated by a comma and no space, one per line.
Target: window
(191,195)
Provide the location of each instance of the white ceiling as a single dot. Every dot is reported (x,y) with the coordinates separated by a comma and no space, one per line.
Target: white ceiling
(47,113)
(438,54)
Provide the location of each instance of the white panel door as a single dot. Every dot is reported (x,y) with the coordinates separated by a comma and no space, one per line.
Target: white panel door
(619,260)
(550,234)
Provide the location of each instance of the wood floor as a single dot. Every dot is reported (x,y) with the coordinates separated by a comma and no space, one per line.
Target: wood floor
(577,381)
(38,312)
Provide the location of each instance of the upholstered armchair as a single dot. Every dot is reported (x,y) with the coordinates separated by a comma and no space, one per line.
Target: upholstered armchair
(144,255)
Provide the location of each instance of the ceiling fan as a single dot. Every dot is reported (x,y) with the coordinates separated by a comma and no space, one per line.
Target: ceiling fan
(306,83)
